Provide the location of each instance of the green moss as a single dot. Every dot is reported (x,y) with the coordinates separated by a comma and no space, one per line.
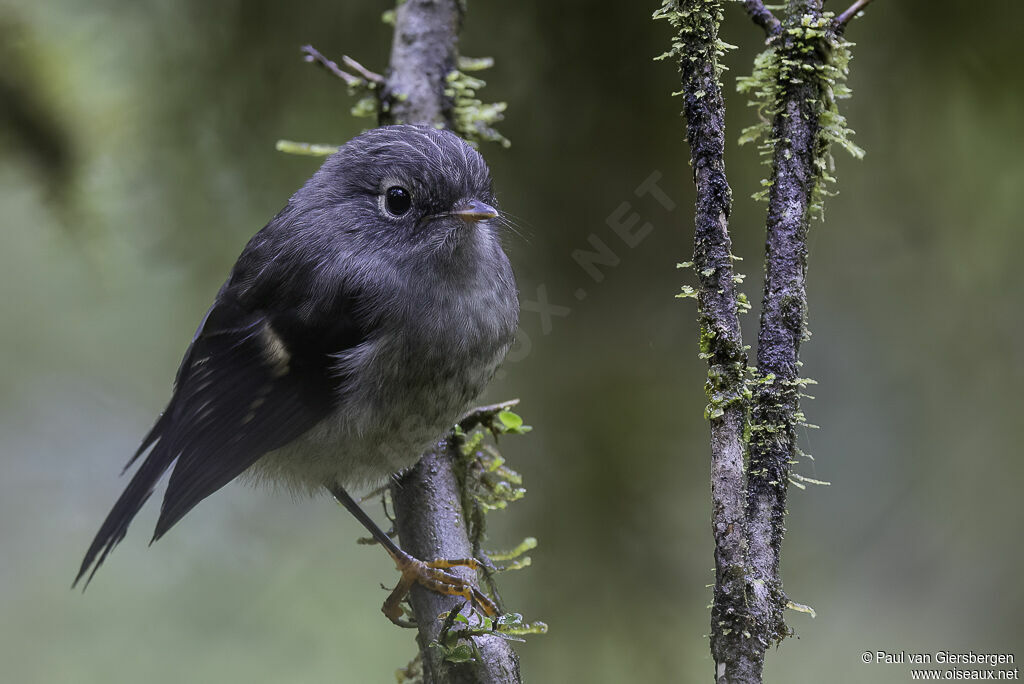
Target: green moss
(390,17)
(707,336)
(687,292)
(455,640)
(527,544)
(808,52)
(487,484)
(742,303)
(307,149)
(726,384)
(473,119)
(696,33)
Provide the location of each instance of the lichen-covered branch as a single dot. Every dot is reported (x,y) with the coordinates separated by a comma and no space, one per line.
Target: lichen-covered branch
(431,523)
(697,49)
(423,53)
(783,317)
(796,84)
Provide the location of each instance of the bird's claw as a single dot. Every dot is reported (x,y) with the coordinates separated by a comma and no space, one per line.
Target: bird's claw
(432,575)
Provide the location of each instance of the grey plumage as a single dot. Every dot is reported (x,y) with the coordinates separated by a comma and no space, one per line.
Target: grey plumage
(347,337)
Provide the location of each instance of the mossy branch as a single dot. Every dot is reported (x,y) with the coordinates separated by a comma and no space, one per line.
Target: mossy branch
(423,52)
(305,149)
(697,48)
(796,84)
(432,521)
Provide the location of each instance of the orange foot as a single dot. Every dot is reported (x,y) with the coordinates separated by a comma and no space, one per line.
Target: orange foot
(432,575)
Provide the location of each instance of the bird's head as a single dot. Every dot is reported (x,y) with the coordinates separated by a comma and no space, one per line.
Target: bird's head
(408,187)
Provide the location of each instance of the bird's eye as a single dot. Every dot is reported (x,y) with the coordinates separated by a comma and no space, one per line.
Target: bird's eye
(397,200)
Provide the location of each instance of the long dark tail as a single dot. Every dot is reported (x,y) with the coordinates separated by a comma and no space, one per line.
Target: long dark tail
(130,502)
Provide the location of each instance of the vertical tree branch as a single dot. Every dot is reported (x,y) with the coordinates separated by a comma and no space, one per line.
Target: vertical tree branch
(431,523)
(429,514)
(797,81)
(776,403)
(720,338)
(423,52)
(721,341)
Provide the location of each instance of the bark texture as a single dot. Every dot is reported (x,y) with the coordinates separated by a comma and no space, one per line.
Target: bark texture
(431,524)
(756,411)
(721,337)
(776,402)
(424,50)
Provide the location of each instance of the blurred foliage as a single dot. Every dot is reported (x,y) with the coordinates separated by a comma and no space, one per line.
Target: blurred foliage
(138,157)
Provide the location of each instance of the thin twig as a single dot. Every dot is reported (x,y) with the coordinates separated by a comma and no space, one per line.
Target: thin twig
(370,76)
(307,149)
(763,17)
(840,22)
(313,56)
(482,415)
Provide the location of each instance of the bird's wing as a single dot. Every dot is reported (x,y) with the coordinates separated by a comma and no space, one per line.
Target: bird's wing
(243,389)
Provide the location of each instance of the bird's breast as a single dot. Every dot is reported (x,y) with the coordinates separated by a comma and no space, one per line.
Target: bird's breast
(391,408)
(430,354)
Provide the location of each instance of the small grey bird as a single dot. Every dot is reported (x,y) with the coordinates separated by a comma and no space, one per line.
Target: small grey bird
(354,329)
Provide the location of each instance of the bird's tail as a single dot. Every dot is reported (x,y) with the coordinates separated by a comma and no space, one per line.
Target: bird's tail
(128,505)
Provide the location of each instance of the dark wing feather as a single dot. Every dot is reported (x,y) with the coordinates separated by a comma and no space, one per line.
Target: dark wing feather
(127,506)
(163,422)
(239,403)
(236,398)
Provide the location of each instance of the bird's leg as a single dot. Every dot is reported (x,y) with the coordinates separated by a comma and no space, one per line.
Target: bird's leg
(430,574)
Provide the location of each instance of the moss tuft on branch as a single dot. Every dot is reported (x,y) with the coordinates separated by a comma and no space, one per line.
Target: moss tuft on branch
(812,56)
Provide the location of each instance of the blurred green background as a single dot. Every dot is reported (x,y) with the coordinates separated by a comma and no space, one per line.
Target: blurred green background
(138,157)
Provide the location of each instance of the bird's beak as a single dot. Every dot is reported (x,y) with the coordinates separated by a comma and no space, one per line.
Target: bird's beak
(472,211)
